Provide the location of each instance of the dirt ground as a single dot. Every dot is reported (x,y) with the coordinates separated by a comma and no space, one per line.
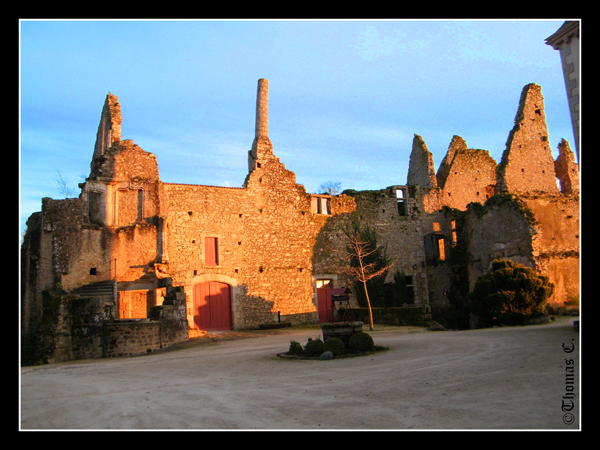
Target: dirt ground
(515,378)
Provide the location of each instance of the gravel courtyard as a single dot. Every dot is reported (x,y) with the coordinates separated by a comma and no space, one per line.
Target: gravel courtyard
(501,378)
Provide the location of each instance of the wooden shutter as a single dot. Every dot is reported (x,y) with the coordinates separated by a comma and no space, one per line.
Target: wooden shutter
(211,251)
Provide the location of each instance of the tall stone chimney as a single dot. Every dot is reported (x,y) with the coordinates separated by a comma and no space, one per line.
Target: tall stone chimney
(262,148)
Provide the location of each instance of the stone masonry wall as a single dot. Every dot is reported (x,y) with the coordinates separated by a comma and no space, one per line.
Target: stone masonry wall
(527,165)
(502,229)
(272,244)
(466,175)
(266,234)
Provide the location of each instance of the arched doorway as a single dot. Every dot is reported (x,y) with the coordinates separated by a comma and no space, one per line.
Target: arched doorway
(212,306)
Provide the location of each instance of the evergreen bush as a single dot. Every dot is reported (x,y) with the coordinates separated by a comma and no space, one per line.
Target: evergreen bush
(334,345)
(314,347)
(510,295)
(295,348)
(361,342)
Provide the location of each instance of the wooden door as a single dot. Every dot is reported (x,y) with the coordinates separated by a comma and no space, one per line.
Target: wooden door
(212,306)
(324,301)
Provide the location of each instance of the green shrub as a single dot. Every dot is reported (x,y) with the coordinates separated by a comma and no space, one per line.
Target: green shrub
(361,342)
(313,347)
(334,345)
(510,295)
(295,348)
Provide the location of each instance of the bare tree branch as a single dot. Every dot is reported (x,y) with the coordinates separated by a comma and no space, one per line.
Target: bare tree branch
(358,249)
(63,186)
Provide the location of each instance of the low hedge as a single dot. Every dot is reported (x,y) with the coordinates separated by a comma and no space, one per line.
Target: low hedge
(406,315)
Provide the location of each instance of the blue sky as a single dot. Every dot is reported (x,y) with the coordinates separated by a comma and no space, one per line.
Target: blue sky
(345,96)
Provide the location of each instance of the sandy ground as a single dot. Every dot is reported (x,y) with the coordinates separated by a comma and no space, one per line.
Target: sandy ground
(500,378)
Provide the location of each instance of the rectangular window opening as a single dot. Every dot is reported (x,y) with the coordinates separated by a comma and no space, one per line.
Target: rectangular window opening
(321,205)
(400,200)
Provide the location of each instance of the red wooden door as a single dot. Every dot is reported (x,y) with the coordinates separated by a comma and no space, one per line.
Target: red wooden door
(324,301)
(212,306)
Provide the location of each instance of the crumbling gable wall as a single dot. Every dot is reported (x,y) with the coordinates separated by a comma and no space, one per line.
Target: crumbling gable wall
(527,165)
(466,175)
(109,128)
(546,238)
(421,170)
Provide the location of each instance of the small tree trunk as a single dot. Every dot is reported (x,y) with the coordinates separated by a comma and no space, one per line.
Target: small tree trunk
(369,304)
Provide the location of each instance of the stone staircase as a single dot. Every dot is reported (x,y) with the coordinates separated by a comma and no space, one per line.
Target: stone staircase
(106,288)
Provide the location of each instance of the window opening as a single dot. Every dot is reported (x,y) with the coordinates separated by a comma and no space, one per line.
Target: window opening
(400,202)
(321,205)
(410,288)
(140,205)
(435,249)
(95,206)
(323,283)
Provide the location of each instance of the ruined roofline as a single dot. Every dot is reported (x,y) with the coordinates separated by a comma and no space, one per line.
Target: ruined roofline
(204,185)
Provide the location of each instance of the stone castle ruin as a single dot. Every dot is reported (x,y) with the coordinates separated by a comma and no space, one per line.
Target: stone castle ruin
(134,263)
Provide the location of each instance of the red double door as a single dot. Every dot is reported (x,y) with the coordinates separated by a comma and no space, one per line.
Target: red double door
(212,306)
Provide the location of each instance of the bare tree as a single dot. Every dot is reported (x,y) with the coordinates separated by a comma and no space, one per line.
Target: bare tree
(358,266)
(63,186)
(330,188)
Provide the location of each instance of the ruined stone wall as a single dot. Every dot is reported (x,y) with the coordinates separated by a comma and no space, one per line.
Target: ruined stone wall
(266,234)
(133,251)
(273,244)
(76,245)
(280,234)
(30,272)
(421,170)
(557,248)
(198,212)
(109,129)
(194,213)
(504,228)
(74,327)
(527,165)
(401,234)
(541,232)
(466,175)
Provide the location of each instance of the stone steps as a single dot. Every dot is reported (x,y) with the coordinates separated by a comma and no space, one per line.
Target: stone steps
(107,288)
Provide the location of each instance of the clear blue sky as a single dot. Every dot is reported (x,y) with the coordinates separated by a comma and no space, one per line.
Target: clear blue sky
(345,97)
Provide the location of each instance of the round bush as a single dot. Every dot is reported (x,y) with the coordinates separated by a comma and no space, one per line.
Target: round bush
(511,294)
(361,342)
(313,347)
(295,348)
(334,345)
